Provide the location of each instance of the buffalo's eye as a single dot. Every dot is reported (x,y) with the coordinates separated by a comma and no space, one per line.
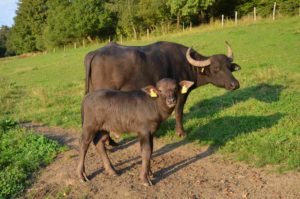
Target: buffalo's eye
(234,67)
(216,69)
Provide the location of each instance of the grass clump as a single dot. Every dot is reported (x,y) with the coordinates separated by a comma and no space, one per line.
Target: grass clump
(22,152)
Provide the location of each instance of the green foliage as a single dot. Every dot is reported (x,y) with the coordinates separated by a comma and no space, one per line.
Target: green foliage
(21,153)
(92,19)
(60,27)
(265,7)
(128,19)
(70,21)
(7,124)
(153,13)
(187,9)
(26,34)
(4,33)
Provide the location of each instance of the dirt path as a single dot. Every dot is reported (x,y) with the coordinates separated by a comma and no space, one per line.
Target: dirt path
(181,171)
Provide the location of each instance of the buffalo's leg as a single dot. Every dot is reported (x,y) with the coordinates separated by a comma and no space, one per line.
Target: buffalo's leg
(87,137)
(146,151)
(99,142)
(179,115)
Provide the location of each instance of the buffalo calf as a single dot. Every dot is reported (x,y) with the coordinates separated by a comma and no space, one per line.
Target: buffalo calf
(139,111)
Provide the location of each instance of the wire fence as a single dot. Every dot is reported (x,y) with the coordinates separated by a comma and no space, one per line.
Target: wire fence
(166,29)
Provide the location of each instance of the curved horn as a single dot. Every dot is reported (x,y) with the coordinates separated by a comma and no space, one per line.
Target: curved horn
(194,62)
(229,51)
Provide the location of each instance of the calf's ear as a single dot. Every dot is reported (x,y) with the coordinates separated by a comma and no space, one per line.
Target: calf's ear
(150,90)
(185,85)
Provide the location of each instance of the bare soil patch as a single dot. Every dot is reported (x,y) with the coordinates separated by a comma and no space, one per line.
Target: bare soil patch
(181,170)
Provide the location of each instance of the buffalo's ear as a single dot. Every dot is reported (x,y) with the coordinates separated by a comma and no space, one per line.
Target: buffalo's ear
(234,67)
(150,90)
(185,85)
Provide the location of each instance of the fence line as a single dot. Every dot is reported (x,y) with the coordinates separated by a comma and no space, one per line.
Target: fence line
(274,10)
(222,20)
(165,29)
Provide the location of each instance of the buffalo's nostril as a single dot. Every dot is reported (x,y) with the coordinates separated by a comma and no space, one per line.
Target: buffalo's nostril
(234,85)
(171,100)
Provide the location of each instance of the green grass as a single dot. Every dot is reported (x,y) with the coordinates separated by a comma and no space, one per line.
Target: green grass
(258,124)
(21,153)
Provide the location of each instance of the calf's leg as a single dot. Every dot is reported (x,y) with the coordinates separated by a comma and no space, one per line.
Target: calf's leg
(145,142)
(87,137)
(99,142)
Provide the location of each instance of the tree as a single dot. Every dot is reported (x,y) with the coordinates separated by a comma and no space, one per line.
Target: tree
(153,13)
(26,33)
(127,18)
(92,19)
(60,29)
(187,8)
(4,32)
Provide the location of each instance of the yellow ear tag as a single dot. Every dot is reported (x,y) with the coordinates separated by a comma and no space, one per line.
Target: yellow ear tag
(152,93)
(202,70)
(184,89)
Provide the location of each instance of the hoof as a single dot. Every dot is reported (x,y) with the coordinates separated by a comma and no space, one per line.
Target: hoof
(151,174)
(146,182)
(181,133)
(111,142)
(83,177)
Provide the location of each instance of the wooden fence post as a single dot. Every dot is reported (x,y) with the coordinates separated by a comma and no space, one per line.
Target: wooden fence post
(235,17)
(274,10)
(83,43)
(254,13)
(121,39)
(183,26)
(75,45)
(147,33)
(222,20)
(190,26)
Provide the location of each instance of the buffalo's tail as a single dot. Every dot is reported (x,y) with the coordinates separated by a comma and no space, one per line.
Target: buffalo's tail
(88,62)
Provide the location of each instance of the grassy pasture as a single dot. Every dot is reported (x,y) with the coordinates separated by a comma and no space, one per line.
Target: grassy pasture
(258,124)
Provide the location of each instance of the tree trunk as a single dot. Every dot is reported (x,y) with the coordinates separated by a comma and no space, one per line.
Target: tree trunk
(134,31)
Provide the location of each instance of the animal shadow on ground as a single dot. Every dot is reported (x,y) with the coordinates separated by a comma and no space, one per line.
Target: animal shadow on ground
(209,107)
(218,131)
(215,133)
(54,134)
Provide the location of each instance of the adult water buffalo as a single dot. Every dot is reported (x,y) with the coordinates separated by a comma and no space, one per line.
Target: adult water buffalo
(128,68)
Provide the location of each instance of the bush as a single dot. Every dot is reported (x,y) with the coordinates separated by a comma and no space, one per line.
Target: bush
(21,153)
